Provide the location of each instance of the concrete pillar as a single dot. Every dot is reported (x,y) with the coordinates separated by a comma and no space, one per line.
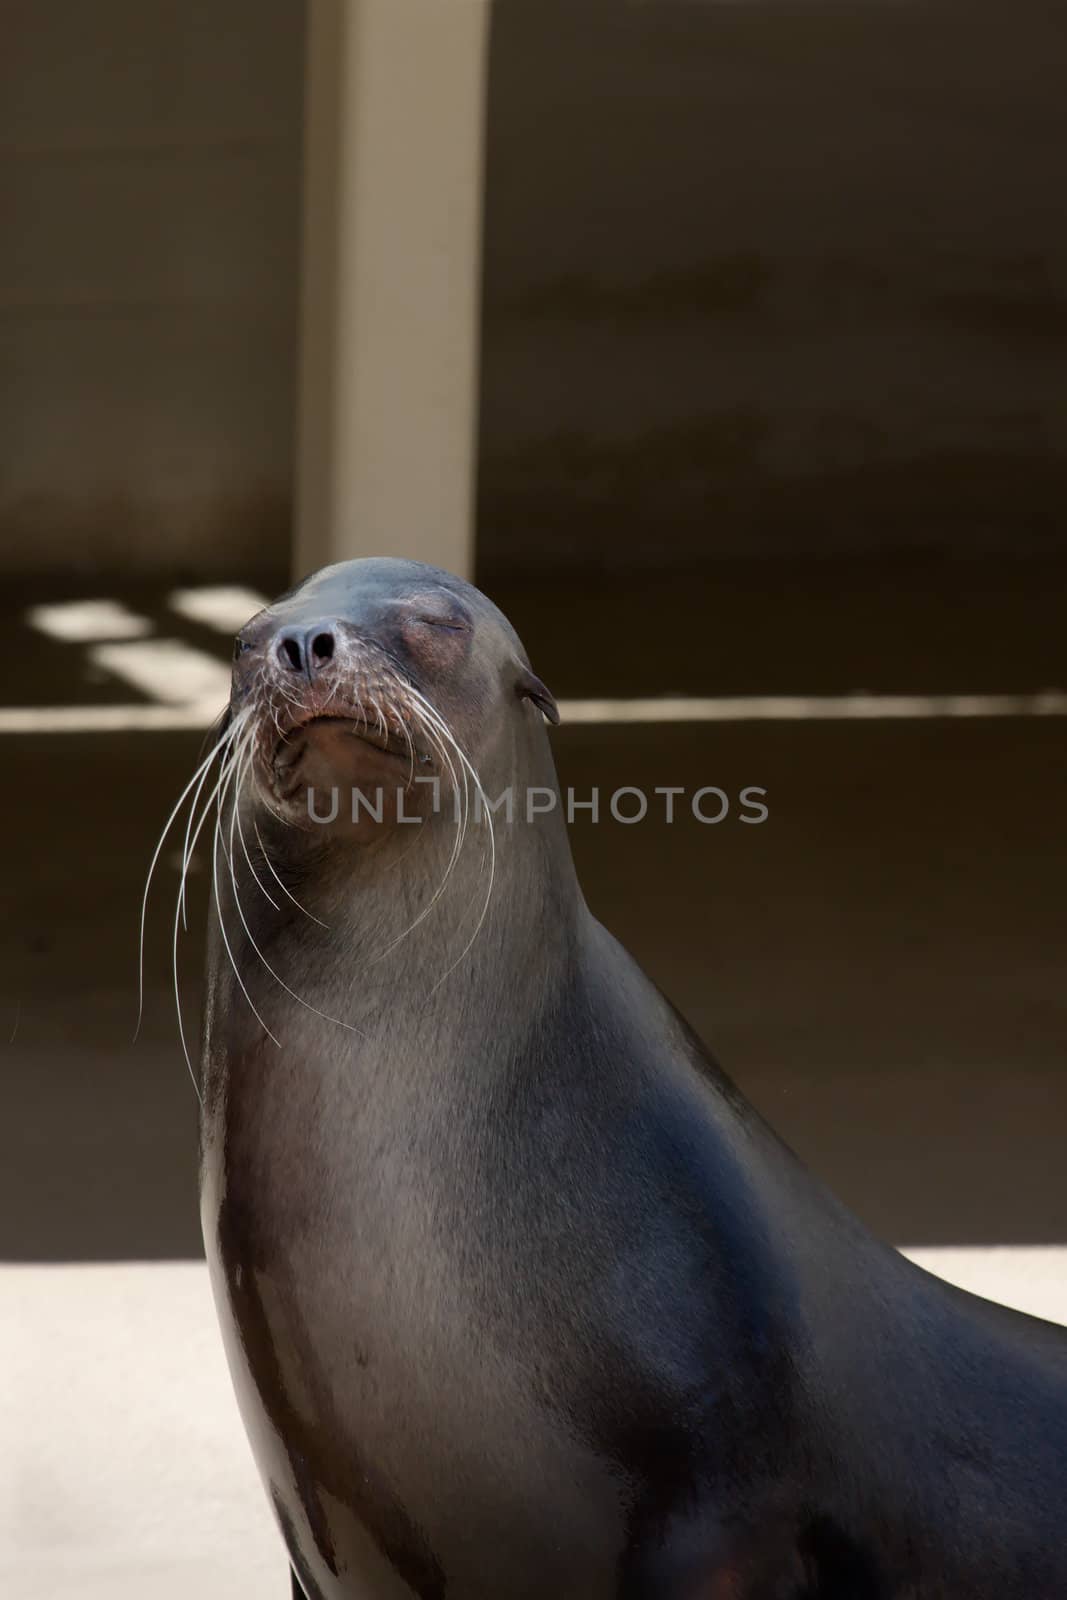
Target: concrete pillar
(395,101)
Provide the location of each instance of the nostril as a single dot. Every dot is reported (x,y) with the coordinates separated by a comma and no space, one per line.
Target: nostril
(291,655)
(307,650)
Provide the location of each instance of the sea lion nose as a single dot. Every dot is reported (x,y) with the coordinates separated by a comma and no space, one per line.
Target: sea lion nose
(306,650)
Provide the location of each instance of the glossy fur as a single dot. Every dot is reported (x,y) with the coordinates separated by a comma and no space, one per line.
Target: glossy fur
(521,1300)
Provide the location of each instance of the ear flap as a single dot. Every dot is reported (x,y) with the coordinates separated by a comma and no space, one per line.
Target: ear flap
(530,687)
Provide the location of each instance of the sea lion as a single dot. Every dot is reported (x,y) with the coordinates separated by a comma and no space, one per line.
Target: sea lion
(522,1301)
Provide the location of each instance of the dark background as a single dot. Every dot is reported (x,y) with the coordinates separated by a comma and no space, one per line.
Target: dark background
(773,401)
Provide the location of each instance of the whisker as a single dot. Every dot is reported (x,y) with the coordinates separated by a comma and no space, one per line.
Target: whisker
(279,881)
(246,762)
(467,766)
(438,732)
(178,912)
(492,874)
(437,745)
(232,734)
(222,920)
(228,855)
(192,784)
(437,721)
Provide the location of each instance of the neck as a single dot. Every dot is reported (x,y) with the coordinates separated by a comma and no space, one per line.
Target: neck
(431,916)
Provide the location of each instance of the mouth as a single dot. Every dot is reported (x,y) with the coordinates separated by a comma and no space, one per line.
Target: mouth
(356,724)
(338,739)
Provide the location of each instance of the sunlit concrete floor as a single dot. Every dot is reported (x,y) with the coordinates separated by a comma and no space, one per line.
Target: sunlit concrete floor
(125,1474)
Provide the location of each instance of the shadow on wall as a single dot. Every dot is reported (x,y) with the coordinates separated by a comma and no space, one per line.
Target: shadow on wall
(774,277)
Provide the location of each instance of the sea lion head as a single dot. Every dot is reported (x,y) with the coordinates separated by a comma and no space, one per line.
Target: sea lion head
(389,679)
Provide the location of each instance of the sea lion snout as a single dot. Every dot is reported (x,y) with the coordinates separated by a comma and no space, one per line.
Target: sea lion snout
(326,708)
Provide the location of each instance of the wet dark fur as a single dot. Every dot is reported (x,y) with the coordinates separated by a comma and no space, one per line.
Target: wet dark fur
(521,1300)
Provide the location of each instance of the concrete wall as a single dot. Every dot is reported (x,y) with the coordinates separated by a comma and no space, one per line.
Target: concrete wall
(777,277)
(149,200)
(764,277)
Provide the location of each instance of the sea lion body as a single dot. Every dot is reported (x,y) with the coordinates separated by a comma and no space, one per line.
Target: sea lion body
(520,1298)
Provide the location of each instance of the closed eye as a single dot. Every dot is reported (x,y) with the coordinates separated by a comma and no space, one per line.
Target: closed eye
(453,624)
